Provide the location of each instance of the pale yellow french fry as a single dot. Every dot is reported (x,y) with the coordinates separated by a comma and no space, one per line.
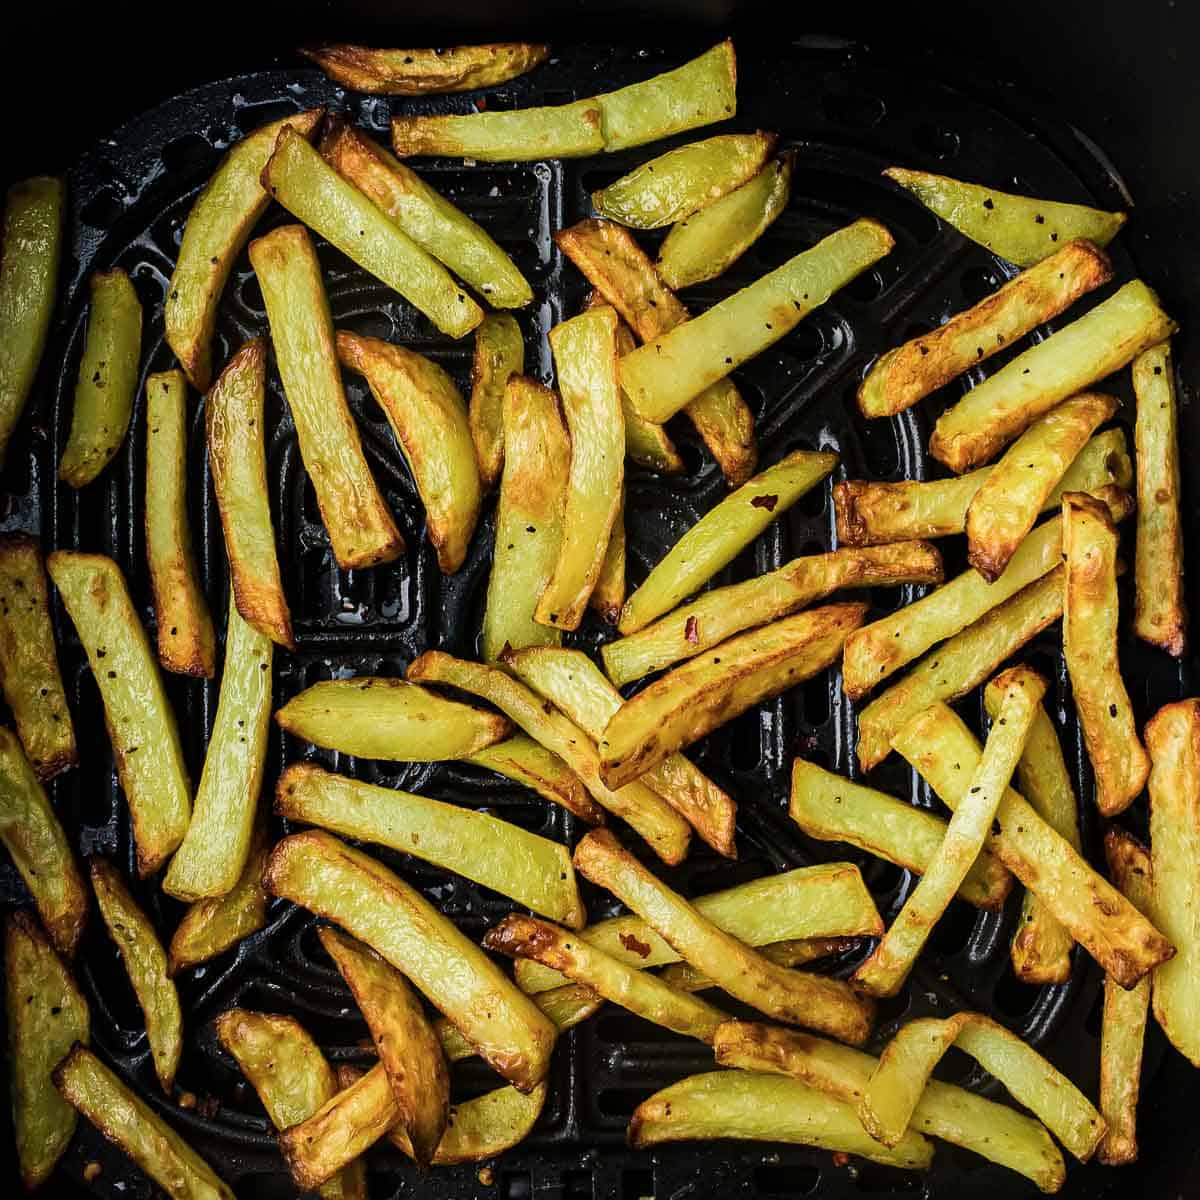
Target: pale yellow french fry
(499,355)
(793,953)
(529,763)
(425,72)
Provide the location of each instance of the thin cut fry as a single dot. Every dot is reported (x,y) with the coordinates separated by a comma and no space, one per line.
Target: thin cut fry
(426,72)
(531,764)
(499,355)
(609,593)
(795,952)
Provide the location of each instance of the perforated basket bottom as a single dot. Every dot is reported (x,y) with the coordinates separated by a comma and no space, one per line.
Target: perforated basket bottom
(846,118)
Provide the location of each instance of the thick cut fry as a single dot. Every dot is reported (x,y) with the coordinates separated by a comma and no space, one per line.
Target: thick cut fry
(713,616)
(408,1049)
(663,828)
(792,996)
(499,355)
(795,952)
(1160,615)
(1102,341)
(994,1131)
(426,72)
(681,181)
(288,1071)
(1173,736)
(958,665)
(107,380)
(531,870)
(825,901)
(911,372)
(361,529)
(312,191)
(707,243)
(890,963)
(668,371)
(237,461)
(682,706)
(47,1015)
(30,250)
(214,852)
(217,229)
(132,1125)
(870,514)
(609,593)
(29,674)
(637,991)
(344,885)
(585,357)
(571,681)
(1097,916)
(765,1108)
(1119,762)
(888,1102)
(529,763)
(137,713)
(833,809)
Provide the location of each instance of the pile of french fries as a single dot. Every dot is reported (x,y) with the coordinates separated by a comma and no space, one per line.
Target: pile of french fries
(1033,438)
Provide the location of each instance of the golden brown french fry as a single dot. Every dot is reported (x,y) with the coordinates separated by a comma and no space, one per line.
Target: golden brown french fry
(531,764)
(793,953)
(425,72)
(499,355)
(609,593)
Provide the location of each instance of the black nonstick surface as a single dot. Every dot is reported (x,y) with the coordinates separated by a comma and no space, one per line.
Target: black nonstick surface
(847,115)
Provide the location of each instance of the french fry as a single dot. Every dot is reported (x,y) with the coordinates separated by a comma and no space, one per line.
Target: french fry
(572,682)
(140,721)
(994,1131)
(1173,736)
(714,616)
(361,529)
(883,973)
(1089,544)
(186,642)
(1160,614)
(1003,511)
(429,419)
(682,706)
(531,764)
(668,371)
(870,514)
(1070,360)
(911,372)
(792,996)
(426,72)
(29,674)
(609,593)
(531,870)
(681,181)
(107,380)
(214,851)
(795,952)
(499,355)
(833,809)
(765,1108)
(1096,915)
(663,828)
(131,1124)
(316,870)
(47,1015)
(707,243)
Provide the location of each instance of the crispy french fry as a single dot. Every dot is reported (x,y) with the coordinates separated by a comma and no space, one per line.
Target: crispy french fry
(1097,916)
(214,851)
(361,529)
(426,72)
(707,243)
(531,764)
(47,1015)
(346,886)
(609,593)
(792,996)
(911,372)
(682,706)
(1089,545)
(1102,341)
(870,514)
(766,1108)
(795,952)
(833,809)
(531,870)
(107,380)
(668,371)
(499,355)
(429,419)
(713,616)
(131,1124)
(1003,511)
(663,828)
(1160,615)
(29,674)
(139,718)
(883,973)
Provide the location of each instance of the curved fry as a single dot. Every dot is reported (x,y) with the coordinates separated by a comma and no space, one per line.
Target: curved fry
(499,356)
(426,72)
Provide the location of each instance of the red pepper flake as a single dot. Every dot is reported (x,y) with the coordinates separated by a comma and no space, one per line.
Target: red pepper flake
(767,502)
(634,946)
(691,631)
(481,104)
(840,1159)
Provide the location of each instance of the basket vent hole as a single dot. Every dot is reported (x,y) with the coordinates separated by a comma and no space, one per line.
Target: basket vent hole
(745,742)
(636,1184)
(879,449)
(937,141)
(255,116)
(188,152)
(866,287)
(786,1180)
(620,1102)
(251,297)
(815,699)
(953,930)
(1014,998)
(978,283)
(855,109)
(807,341)
(102,209)
(812,504)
